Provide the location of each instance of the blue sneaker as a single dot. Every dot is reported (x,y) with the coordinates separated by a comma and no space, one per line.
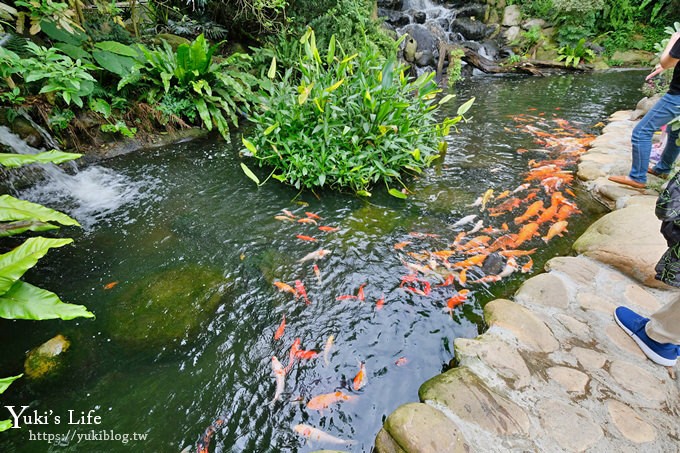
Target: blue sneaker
(634,325)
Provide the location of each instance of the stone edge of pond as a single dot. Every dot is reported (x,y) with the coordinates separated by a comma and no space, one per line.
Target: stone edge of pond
(554,372)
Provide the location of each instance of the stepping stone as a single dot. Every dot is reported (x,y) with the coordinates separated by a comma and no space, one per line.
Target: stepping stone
(580,269)
(593,302)
(469,398)
(570,379)
(385,444)
(572,428)
(630,423)
(638,297)
(624,341)
(522,323)
(543,289)
(488,355)
(589,359)
(640,383)
(580,329)
(419,428)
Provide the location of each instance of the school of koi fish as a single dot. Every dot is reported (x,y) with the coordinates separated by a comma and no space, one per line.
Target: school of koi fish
(507,224)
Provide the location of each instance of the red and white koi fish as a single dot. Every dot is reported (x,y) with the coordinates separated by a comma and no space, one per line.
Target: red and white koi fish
(401,361)
(360,379)
(317,255)
(527,266)
(315,434)
(280,375)
(380,303)
(301,291)
(289,214)
(457,299)
(204,443)
(279,332)
(317,272)
(294,349)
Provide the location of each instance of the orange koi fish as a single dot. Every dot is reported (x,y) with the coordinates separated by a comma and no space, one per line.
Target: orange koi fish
(476,260)
(323,401)
(204,443)
(360,379)
(448,282)
(556,229)
(502,195)
(302,237)
(317,272)
(527,232)
(509,253)
(317,435)
(306,355)
(548,214)
(570,192)
(328,229)
(305,220)
(110,285)
(503,242)
(401,245)
(301,291)
(282,327)
(475,242)
(283,287)
(504,207)
(401,361)
(462,277)
(311,215)
(380,303)
(360,293)
(292,355)
(528,266)
(458,299)
(566,211)
(314,255)
(533,210)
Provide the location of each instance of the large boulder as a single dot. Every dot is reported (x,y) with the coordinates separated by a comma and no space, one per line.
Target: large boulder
(473,30)
(168,307)
(424,40)
(395,5)
(512,16)
(46,360)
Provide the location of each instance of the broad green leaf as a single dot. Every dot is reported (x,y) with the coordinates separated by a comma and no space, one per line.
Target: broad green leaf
(416,154)
(272,69)
(75,52)
(117,48)
(15,263)
(446,99)
(462,110)
(12,209)
(100,105)
(203,112)
(270,129)
(397,194)
(250,174)
(25,301)
(249,146)
(6,382)
(17,160)
(117,64)
(281,178)
(59,34)
(363,193)
(12,228)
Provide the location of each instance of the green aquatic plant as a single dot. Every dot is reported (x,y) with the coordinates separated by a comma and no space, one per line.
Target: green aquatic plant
(573,56)
(348,122)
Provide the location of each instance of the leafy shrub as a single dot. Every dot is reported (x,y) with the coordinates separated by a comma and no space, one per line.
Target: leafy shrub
(213,89)
(572,56)
(455,67)
(348,122)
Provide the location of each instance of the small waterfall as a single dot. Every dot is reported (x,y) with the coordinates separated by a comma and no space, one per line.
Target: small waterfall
(50,141)
(89,195)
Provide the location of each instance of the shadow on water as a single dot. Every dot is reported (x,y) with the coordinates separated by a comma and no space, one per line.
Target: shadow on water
(184,334)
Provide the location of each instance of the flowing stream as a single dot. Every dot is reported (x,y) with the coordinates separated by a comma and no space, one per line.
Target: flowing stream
(178,258)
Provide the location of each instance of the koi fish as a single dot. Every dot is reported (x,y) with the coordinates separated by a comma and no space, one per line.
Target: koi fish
(458,299)
(302,237)
(465,220)
(478,226)
(110,285)
(279,332)
(510,267)
(527,232)
(283,287)
(314,255)
(284,218)
(503,242)
(317,272)
(520,188)
(311,215)
(323,401)
(328,229)
(556,229)
(380,303)
(401,245)
(476,260)
(280,375)
(306,355)
(289,214)
(507,206)
(508,253)
(488,195)
(360,379)
(315,434)
(462,277)
(533,210)
(448,281)
(292,355)
(204,443)
(301,291)
(528,266)
(566,211)
(305,220)
(548,214)
(360,293)
(401,361)
(327,350)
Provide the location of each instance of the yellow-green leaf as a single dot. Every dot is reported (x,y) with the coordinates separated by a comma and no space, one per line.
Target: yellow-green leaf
(363,193)
(250,174)
(272,69)
(446,98)
(249,146)
(396,193)
(465,107)
(335,86)
(269,130)
(416,154)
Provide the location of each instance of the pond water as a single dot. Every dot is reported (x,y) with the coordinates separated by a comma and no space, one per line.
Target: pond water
(180,274)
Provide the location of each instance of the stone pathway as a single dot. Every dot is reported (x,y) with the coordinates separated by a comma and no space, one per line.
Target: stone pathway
(554,372)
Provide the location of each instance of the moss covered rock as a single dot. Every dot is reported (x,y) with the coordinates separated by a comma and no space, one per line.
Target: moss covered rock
(167,307)
(46,359)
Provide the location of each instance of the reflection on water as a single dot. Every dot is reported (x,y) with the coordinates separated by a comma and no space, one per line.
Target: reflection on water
(198,234)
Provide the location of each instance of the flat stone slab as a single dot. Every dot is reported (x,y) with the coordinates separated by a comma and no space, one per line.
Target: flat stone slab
(639,382)
(570,379)
(630,423)
(543,289)
(419,428)
(530,331)
(469,398)
(572,428)
(589,359)
(495,355)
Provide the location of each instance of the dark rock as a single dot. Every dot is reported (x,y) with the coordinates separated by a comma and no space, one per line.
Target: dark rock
(471,29)
(24,129)
(493,264)
(394,5)
(474,10)
(425,58)
(419,17)
(395,18)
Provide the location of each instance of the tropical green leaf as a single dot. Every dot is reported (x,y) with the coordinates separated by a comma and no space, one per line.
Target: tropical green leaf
(249,146)
(250,174)
(331,50)
(17,160)
(462,110)
(13,228)
(5,425)
(117,64)
(203,112)
(363,193)
(15,263)
(117,48)
(59,34)
(25,301)
(12,209)
(272,69)
(75,52)
(6,382)
(446,99)
(397,194)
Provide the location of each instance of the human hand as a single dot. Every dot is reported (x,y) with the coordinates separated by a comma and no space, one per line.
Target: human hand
(658,69)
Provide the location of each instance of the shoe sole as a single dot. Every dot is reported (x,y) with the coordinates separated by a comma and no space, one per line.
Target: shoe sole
(651,355)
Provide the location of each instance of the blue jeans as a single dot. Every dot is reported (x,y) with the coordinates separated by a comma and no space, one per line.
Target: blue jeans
(662,113)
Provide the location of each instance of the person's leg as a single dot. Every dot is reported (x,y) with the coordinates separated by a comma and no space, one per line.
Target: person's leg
(664,324)
(635,325)
(663,112)
(670,152)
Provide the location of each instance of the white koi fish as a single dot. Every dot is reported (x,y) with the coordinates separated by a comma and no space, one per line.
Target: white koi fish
(327,350)
(280,375)
(312,433)
(314,255)
(465,220)
(478,226)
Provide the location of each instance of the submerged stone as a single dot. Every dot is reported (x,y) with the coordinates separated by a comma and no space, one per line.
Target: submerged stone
(167,307)
(46,359)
